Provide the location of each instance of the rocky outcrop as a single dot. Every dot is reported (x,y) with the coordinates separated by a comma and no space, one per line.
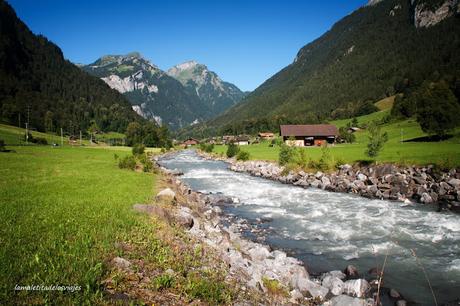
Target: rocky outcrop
(424,16)
(425,185)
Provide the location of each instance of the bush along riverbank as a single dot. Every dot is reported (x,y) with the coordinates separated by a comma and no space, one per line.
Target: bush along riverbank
(262,276)
(427,185)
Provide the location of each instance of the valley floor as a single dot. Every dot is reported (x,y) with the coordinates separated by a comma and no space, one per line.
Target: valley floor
(68,220)
(444,153)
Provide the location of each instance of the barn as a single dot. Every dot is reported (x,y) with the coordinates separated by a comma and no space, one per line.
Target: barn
(303,135)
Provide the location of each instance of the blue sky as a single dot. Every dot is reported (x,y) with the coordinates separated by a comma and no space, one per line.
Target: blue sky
(244,42)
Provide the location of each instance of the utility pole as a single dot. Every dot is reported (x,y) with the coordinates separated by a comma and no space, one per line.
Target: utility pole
(80,138)
(62,139)
(27,132)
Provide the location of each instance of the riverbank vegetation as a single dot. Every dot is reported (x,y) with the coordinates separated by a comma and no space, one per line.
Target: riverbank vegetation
(67,213)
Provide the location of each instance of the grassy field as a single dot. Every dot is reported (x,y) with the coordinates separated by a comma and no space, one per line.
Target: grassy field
(67,212)
(62,210)
(445,153)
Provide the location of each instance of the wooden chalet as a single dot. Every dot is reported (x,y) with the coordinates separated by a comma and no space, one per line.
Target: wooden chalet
(309,134)
(190,142)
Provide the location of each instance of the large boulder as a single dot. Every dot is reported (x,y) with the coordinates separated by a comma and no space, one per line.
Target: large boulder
(166,195)
(356,287)
(334,284)
(454,183)
(345,300)
(308,287)
(184,217)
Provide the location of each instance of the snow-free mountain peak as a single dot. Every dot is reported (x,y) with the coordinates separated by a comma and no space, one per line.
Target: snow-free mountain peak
(211,89)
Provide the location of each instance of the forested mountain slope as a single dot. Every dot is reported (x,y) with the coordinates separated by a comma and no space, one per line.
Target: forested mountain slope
(37,82)
(381,49)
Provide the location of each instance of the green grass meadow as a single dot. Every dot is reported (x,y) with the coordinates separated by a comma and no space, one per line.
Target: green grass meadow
(444,153)
(62,210)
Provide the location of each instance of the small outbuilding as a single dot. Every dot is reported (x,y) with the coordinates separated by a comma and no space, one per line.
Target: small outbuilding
(242,140)
(266,135)
(303,135)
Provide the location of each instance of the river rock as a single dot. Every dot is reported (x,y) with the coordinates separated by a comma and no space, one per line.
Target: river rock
(121,263)
(334,284)
(402,303)
(165,195)
(259,253)
(184,217)
(307,286)
(356,287)
(394,294)
(426,198)
(454,183)
(296,296)
(345,300)
(351,271)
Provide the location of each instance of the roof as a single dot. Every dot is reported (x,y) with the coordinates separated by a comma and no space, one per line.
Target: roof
(242,138)
(309,130)
(266,134)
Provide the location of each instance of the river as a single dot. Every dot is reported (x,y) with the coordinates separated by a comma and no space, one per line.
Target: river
(329,231)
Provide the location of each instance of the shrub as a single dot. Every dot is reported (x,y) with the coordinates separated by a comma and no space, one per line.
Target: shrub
(274,287)
(232,150)
(242,155)
(376,140)
(302,158)
(115,156)
(286,155)
(147,164)
(324,163)
(207,147)
(2,145)
(138,149)
(163,281)
(127,162)
(276,142)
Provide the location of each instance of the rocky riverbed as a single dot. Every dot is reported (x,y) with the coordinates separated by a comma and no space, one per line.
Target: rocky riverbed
(426,185)
(257,266)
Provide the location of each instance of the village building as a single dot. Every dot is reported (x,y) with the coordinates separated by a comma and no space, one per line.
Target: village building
(266,135)
(226,139)
(309,135)
(190,142)
(242,140)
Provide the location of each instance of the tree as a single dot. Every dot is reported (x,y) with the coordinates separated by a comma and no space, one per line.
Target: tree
(93,128)
(133,133)
(286,154)
(232,150)
(150,132)
(376,140)
(438,110)
(346,136)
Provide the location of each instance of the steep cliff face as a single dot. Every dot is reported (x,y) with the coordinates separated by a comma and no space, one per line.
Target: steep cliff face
(426,15)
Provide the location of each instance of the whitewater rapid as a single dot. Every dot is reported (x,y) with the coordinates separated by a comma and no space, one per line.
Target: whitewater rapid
(331,230)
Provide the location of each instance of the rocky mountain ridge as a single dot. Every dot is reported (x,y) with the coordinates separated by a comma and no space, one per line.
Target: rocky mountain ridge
(217,94)
(156,95)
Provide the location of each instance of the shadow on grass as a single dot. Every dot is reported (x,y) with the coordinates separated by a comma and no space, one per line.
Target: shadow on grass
(430,138)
